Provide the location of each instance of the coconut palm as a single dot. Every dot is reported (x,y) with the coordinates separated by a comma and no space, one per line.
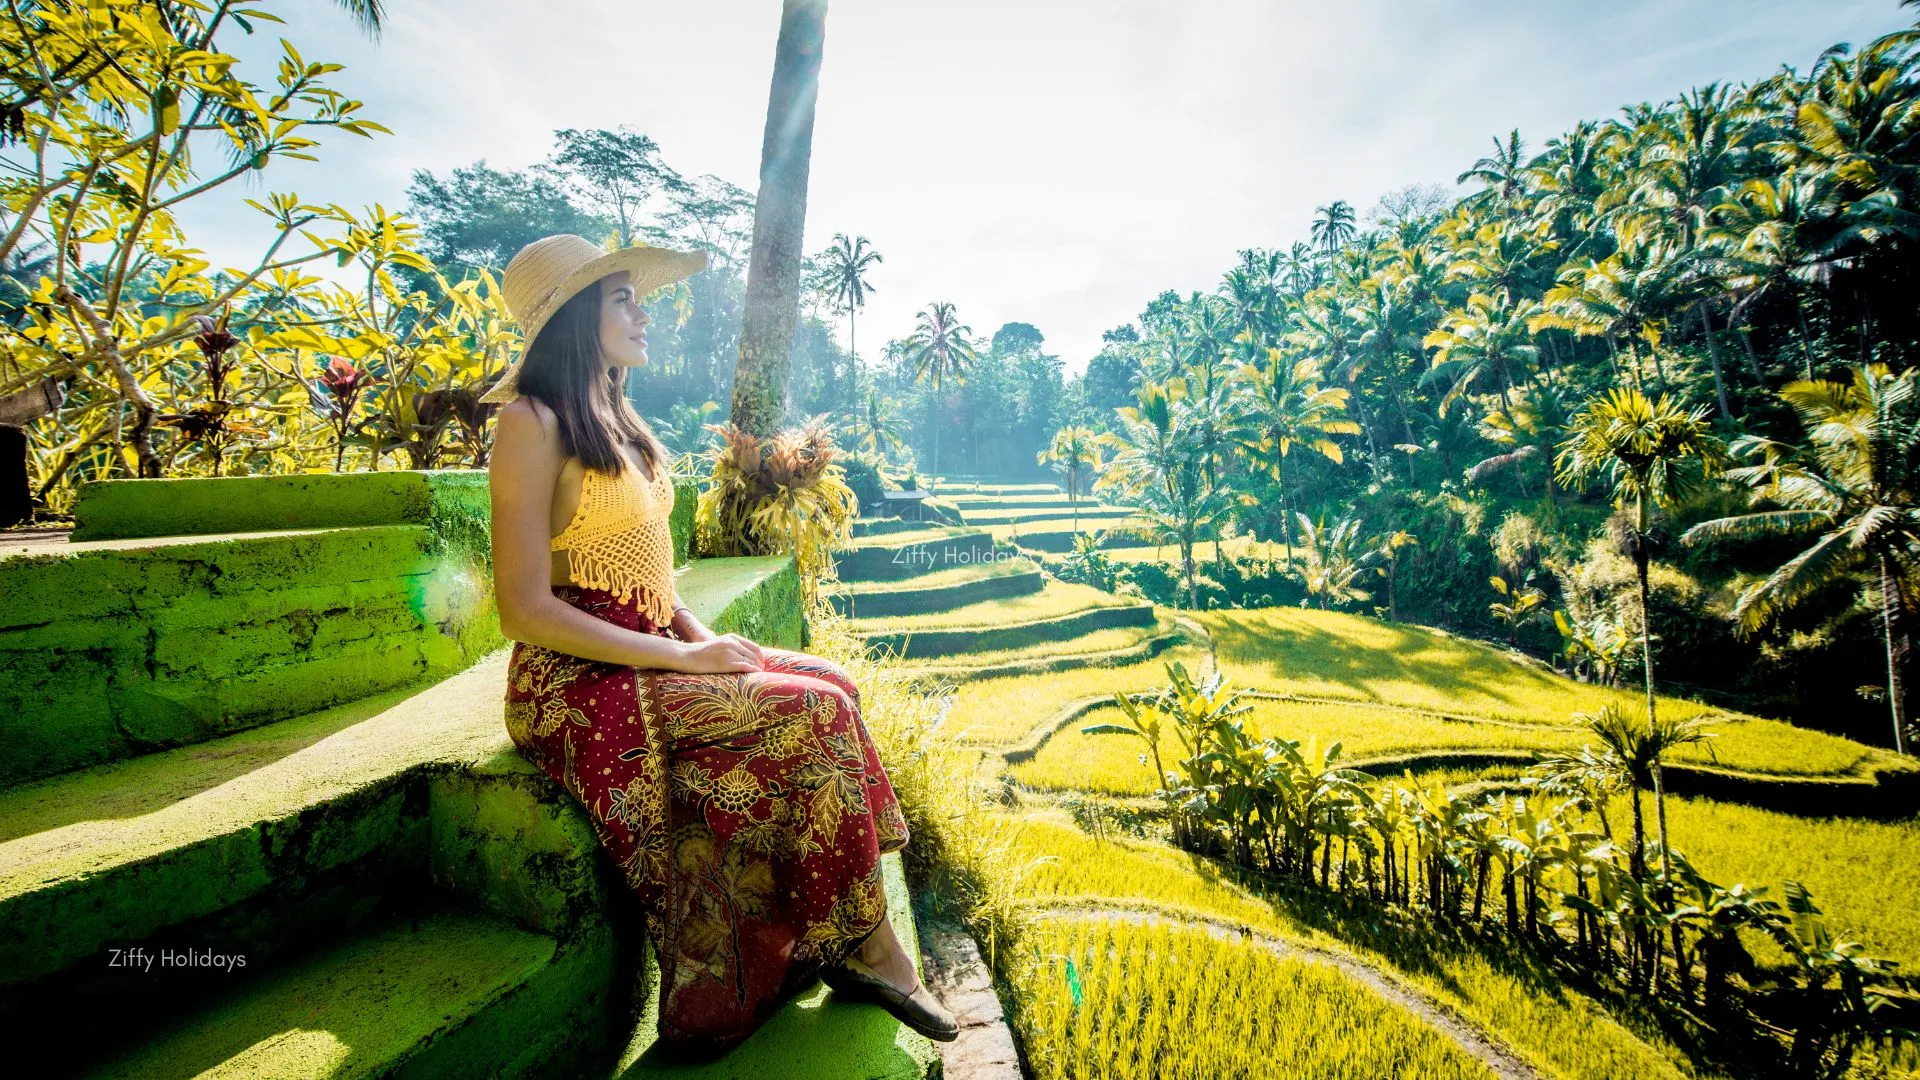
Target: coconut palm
(1771,235)
(1527,429)
(1504,175)
(845,265)
(1283,407)
(1333,227)
(1337,558)
(1486,341)
(780,212)
(879,433)
(1075,451)
(1651,452)
(1629,294)
(1157,468)
(940,349)
(1853,488)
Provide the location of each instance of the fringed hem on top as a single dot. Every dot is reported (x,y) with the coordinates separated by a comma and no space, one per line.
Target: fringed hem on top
(592,572)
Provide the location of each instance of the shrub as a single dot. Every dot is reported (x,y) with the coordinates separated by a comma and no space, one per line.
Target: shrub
(775,496)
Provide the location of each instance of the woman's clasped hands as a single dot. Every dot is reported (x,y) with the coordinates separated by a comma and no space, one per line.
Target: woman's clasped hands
(721,655)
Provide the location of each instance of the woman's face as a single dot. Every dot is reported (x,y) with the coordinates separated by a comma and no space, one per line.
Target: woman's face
(623,322)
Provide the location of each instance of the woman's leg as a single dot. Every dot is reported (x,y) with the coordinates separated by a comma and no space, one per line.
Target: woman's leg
(883,952)
(800,663)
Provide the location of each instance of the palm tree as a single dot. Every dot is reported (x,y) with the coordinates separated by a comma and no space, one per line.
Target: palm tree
(1486,340)
(940,348)
(846,264)
(1852,487)
(1157,468)
(1639,752)
(1627,294)
(1504,175)
(881,437)
(1333,227)
(1646,450)
(1283,406)
(1770,235)
(1076,453)
(1337,558)
(779,217)
(1528,428)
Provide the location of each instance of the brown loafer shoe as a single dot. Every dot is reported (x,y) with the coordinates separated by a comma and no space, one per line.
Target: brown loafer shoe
(918,1010)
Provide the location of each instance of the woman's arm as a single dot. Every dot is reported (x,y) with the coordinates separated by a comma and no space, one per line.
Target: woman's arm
(526,461)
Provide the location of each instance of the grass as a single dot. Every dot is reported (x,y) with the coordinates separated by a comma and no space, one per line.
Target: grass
(1056,599)
(1330,654)
(928,535)
(1091,647)
(1864,874)
(1061,524)
(1000,711)
(1180,1003)
(1563,1032)
(1203,552)
(1110,764)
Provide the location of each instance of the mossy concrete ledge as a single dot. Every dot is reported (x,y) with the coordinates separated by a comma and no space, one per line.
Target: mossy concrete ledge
(454,502)
(526,956)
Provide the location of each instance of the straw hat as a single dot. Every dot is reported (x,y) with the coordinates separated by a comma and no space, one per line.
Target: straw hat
(548,272)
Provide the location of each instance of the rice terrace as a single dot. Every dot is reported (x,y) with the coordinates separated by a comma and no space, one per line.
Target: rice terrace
(1139,544)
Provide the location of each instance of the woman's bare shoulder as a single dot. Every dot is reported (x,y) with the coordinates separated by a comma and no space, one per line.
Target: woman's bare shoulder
(525,423)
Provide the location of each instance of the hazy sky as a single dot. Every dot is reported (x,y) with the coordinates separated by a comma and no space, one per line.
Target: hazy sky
(1057,162)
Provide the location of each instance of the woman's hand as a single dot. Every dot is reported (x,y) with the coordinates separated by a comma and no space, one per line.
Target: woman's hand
(723,655)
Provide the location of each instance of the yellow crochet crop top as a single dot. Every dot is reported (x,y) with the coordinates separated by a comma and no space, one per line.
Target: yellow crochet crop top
(619,539)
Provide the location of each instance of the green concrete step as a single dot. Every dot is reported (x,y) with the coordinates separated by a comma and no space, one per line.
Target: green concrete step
(897,556)
(1060,612)
(451,500)
(813,1036)
(444,995)
(257,818)
(940,590)
(294,844)
(113,648)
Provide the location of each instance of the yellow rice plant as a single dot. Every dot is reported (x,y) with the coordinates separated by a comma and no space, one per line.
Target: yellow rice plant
(779,495)
(1116,999)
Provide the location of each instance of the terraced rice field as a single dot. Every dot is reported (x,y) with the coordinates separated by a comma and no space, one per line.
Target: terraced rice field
(1162,938)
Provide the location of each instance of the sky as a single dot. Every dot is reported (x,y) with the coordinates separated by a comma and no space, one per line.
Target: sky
(1058,162)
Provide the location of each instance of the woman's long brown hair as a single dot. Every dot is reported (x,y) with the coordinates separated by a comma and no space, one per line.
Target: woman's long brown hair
(565,369)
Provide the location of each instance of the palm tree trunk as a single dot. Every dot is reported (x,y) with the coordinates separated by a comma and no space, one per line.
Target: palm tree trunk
(1806,344)
(1640,560)
(779,218)
(1660,820)
(1186,559)
(1713,354)
(853,358)
(1896,690)
(1286,510)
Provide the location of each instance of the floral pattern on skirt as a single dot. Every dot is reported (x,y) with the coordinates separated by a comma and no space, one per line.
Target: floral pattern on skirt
(748,812)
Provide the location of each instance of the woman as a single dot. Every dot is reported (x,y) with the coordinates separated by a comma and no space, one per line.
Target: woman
(734,784)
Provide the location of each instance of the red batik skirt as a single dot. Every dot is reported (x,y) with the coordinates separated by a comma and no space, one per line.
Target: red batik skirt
(748,812)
